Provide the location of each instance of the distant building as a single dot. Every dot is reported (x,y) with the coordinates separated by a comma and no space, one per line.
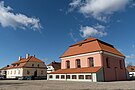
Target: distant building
(91,60)
(131,71)
(3,72)
(53,66)
(29,66)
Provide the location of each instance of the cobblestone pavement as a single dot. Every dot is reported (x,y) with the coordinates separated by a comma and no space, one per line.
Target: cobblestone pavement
(63,85)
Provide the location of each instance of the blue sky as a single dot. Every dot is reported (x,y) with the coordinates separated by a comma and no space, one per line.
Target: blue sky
(46,28)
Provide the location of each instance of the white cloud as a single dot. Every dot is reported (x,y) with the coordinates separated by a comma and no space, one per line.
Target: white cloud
(99,9)
(132,5)
(97,30)
(132,56)
(72,36)
(10,19)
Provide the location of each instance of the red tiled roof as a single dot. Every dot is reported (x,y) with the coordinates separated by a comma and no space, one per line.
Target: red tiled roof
(77,70)
(21,63)
(131,68)
(90,45)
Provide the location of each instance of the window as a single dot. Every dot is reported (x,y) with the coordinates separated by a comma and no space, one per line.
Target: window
(11,72)
(32,65)
(68,64)
(57,76)
(18,71)
(38,65)
(107,63)
(81,76)
(91,62)
(88,77)
(73,76)
(42,72)
(50,76)
(15,72)
(68,76)
(28,72)
(78,63)
(120,62)
(62,77)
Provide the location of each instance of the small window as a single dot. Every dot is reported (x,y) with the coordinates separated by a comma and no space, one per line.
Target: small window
(73,76)
(62,76)
(81,76)
(120,62)
(50,76)
(38,65)
(88,77)
(18,71)
(107,63)
(57,76)
(11,72)
(68,76)
(78,63)
(32,65)
(68,64)
(91,62)
(15,72)
(42,72)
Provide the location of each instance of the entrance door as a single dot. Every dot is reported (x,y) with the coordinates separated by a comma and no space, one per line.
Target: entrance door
(35,73)
(115,68)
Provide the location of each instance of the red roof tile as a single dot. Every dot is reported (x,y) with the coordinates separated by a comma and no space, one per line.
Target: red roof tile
(90,45)
(131,68)
(77,70)
(21,63)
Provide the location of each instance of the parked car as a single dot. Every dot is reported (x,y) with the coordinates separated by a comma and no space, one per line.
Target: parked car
(2,77)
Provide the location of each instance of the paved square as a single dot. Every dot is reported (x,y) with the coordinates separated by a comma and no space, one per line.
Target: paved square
(63,85)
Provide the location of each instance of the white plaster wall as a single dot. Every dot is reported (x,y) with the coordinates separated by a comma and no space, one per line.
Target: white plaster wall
(13,74)
(131,73)
(50,69)
(94,78)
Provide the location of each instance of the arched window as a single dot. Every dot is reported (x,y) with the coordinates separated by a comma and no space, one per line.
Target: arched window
(32,65)
(78,63)
(38,65)
(68,64)
(91,62)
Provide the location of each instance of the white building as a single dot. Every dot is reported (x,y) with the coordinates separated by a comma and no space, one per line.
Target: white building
(131,71)
(29,66)
(53,66)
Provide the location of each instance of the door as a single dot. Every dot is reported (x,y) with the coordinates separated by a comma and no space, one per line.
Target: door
(115,68)
(35,73)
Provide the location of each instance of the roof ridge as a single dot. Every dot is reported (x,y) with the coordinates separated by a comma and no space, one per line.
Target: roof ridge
(84,41)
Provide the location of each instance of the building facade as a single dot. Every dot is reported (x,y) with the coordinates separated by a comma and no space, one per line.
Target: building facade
(24,67)
(53,66)
(91,60)
(131,72)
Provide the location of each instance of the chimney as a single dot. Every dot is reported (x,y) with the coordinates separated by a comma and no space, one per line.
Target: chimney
(19,58)
(34,55)
(27,56)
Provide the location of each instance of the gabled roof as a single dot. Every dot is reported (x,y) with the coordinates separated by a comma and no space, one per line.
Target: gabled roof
(77,70)
(21,63)
(4,68)
(131,68)
(90,45)
(56,65)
